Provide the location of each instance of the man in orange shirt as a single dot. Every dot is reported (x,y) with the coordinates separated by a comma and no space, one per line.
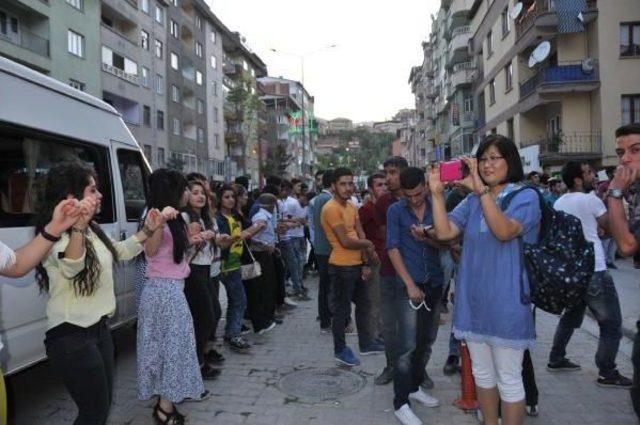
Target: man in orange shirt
(349,268)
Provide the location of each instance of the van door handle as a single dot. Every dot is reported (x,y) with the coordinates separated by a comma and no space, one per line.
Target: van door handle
(123,235)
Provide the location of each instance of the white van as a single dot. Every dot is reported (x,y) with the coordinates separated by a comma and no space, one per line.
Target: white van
(44,122)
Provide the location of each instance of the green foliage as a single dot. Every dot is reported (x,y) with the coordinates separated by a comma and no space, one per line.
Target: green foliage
(175,163)
(374,148)
(278,159)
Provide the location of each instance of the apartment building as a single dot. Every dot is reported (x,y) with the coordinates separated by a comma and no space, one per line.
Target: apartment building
(557,76)
(286,124)
(340,124)
(215,98)
(57,38)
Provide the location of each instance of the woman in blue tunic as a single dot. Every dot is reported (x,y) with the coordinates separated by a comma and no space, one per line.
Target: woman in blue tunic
(489,314)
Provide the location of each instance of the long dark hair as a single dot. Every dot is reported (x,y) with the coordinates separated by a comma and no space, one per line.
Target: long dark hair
(220,192)
(204,214)
(166,188)
(62,180)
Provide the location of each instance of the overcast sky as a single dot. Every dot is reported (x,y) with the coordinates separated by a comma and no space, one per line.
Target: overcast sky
(365,77)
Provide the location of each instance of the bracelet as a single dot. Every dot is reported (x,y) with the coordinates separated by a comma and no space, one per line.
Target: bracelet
(483,191)
(49,236)
(147,231)
(76,230)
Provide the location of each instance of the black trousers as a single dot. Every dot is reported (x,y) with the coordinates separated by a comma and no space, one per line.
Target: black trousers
(214,293)
(529,380)
(83,357)
(281,275)
(324,288)
(196,291)
(262,292)
(635,359)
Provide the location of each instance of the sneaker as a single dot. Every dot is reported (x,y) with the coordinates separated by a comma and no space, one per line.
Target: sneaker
(278,320)
(532,410)
(615,381)
(350,329)
(374,348)
(301,296)
(286,308)
(326,330)
(209,373)
(423,398)
(244,330)
(267,329)
(612,266)
(451,366)
(237,343)
(347,357)
(427,382)
(564,365)
(202,397)
(213,357)
(385,376)
(288,301)
(406,416)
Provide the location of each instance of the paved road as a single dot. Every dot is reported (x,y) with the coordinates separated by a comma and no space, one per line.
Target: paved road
(247,391)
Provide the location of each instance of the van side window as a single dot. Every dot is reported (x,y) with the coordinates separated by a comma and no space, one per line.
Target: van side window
(134,182)
(26,157)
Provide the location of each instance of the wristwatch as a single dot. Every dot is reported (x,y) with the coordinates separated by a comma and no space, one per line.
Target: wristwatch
(615,193)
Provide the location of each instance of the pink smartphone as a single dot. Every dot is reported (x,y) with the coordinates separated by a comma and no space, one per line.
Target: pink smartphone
(451,170)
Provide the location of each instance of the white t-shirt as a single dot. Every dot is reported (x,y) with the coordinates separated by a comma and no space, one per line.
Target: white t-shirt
(201,255)
(291,207)
(587,208)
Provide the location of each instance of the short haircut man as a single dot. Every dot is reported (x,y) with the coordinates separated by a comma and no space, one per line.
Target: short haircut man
(322,250)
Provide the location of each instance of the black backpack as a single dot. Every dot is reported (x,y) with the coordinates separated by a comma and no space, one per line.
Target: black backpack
(560,265)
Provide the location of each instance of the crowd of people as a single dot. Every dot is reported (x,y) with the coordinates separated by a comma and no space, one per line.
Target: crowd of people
(399,252)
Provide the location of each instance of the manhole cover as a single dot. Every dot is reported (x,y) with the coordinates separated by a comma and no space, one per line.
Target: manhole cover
(315,385)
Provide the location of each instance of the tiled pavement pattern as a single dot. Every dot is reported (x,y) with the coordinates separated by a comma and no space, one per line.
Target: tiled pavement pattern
(247,393)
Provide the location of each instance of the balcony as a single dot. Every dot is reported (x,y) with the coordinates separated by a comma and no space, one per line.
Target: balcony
(561,78)
(538,13)
(463,74)
(458,14)
(431,92)
(573,146)
(28,40)
(231,69)
(459,45)
(120,73)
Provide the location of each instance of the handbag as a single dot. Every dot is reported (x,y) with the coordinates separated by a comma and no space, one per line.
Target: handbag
(251,270)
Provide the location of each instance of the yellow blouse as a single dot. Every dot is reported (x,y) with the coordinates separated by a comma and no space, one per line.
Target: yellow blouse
(64,305)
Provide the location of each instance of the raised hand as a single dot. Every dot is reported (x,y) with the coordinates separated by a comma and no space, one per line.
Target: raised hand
(623,178)
(473,181)
(87,207)
(170,213)
(154,219)
(435,184)
(65,215)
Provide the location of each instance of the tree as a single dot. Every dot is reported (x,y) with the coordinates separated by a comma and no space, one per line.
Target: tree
(244,122)
(373,149)
(175,163)
(278,159)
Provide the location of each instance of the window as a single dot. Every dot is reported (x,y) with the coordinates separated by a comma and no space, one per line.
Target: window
(173,29)
(160,14)
(198,21)
(630,109)
(200,106)
(505,22)
(175,3)
(216,112)
(555,126)
(159,84)
(145,77)
(214,62)
(508,77)
(213,36)
(133,175)
(176,127)
(159,53)
(510,131)
(630,39)
(198,49)
(144,39)
(489,44)
(199,78)
(75,43)
(245,65)
(214,87)
(78,4)
(146,116)
(25,158)
(9,27)
(468,104)
(120,66)
(216,138)
(175,61)
(144,6)
(492,92)
(175,93)
(200,135)
(76,84)
(160,156)
(160,120)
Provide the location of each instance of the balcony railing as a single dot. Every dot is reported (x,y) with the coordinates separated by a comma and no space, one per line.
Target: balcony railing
(28,40)
(564,73)
(528,17)
(133,79)
(577,144)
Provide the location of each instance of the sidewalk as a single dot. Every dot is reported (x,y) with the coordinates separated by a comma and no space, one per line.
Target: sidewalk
(247,391)
(627,280)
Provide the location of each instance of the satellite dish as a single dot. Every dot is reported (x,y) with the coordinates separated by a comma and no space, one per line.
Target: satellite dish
(588,65)
(581,17)
(516,10)
(539,54)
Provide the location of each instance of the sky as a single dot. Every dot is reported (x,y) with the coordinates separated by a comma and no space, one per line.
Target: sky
(364,78)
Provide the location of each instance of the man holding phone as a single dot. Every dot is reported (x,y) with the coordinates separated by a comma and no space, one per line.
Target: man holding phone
(416,294)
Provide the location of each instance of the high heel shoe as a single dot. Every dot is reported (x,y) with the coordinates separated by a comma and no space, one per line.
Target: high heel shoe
(173,418)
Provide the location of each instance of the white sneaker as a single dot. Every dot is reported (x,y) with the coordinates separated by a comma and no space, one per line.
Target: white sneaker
(289,301)
(423,398)
(406,416)
(267,329)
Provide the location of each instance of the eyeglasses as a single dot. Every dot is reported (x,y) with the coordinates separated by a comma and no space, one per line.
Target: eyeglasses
(490,160)
(422,304)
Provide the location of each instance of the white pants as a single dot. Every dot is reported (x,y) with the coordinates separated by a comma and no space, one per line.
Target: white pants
(497,366)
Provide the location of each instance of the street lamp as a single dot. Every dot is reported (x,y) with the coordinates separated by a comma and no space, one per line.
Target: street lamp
(301,56)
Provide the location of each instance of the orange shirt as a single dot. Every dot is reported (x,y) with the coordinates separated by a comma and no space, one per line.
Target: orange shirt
(335,214)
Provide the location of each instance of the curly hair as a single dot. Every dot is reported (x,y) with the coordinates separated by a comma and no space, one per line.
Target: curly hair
(64,180)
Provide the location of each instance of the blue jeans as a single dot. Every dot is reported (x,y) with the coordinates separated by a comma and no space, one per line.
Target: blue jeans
(293,253)
(410,333)
(236,302)
(602,300)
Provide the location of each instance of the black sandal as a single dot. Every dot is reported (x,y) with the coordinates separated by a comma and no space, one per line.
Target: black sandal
(173,418)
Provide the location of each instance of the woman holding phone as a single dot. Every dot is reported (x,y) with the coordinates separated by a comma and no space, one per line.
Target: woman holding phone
(489,313)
